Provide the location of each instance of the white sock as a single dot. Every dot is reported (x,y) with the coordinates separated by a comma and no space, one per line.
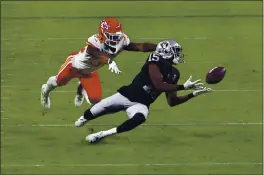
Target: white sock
(51,84)
(86,97)
(109,132)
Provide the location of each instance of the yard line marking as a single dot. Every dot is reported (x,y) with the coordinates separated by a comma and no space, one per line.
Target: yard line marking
(215,90)
(223,90)
(2,111)
(63,91)
(5,98)
(134,164)
(7,74)
(150,124)
(140,38)
(4,118)
(6,81)
(236,90)
(203,62)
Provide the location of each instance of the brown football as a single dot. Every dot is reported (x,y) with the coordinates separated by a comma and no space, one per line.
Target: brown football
(215,75)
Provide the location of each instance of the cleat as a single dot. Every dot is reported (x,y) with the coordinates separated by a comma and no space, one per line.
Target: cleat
(78,101)
(44,97)
(80,122)
(94,138)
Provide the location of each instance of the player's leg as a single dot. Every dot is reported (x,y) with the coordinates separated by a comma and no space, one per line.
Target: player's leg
(137,115)
(92,86)
(66,73)
(112,104)
(45,91)
(78,100)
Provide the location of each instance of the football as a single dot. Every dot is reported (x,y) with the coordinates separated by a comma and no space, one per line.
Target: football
(215,75)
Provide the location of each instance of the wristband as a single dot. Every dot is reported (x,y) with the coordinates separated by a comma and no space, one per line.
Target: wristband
(109,61)
(180,87)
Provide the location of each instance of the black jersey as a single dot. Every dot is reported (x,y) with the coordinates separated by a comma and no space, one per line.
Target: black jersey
(141,89)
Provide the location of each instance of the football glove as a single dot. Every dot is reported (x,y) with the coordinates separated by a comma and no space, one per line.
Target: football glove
(113,67)
(202,91)
(193,85)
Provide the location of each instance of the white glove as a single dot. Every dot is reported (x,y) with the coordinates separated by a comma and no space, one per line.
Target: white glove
(193,85)
(202,91)
(113,68)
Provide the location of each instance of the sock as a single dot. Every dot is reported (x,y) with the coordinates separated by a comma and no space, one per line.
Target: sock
(51,84)
(88,115)
(132,123)
(109,132)
(79,89)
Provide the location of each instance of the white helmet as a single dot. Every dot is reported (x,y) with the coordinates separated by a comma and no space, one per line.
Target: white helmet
(170,49)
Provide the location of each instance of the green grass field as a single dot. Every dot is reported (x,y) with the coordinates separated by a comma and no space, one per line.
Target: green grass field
(218,133)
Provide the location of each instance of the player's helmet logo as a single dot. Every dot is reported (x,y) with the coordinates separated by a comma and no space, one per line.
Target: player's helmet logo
(104,25)
(164,45)
(170,49)
(110,32)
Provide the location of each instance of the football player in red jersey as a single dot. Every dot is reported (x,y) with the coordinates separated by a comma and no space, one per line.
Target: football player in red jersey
(100,50)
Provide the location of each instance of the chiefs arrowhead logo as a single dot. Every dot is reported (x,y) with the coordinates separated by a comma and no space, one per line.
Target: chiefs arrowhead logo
(104,25)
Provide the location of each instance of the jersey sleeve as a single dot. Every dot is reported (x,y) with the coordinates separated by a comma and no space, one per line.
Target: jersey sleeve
(93,41)
(126,40)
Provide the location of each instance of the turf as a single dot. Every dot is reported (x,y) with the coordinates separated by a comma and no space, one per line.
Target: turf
(194,138)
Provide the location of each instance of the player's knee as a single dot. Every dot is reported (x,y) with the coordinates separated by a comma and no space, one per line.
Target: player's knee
(61,82)
(139,118)
(52,81)
(95,100)
(138,108)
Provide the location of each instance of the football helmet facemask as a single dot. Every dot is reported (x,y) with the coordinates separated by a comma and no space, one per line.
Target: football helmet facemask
(110,32)
(170,50)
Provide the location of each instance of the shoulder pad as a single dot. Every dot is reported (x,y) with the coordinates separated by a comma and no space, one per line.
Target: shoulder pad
(154,57)
(93,41)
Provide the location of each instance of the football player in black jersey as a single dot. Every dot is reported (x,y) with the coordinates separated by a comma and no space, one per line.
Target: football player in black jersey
(156,76)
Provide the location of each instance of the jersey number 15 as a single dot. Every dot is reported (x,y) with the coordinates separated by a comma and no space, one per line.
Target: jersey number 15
(153,57)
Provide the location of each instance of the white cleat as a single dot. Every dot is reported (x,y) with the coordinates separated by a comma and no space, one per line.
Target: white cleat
(44,97)
(94,138)
(80,122)
(78,101)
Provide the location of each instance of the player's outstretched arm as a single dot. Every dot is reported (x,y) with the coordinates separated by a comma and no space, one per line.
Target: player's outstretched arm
(158,83)
(103,58)
(141,47)
(174,100)
(161,86)
(96,53)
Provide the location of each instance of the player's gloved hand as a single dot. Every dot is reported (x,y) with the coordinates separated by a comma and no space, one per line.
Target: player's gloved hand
(202,91)
(193,85)
(113,67)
